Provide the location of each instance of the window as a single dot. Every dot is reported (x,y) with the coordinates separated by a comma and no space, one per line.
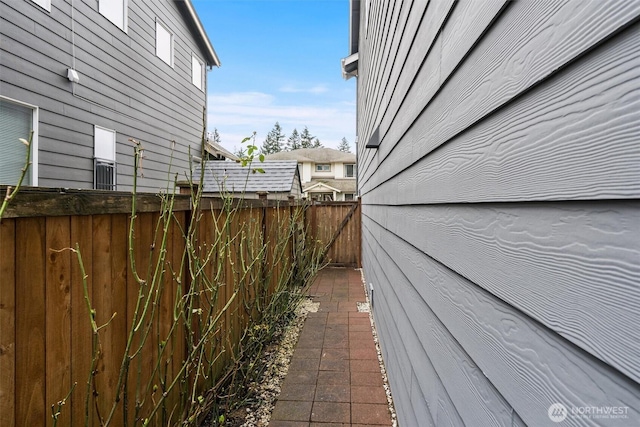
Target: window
(349,171)
(323,167)
(45,4)
(17,120)
(197,72)
(322,197)
(104,175)
(164,44)
(104,159)
(115,11)
(349,196)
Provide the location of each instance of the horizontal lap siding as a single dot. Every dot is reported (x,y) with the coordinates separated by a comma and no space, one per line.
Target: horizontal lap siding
(529,42)
(529,111)
(123,86)
(530,365)
(475,398)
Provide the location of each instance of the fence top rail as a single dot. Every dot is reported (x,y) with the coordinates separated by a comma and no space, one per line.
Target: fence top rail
(44,201)
(41,201)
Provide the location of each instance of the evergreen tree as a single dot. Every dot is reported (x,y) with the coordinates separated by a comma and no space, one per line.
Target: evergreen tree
(306,139)
(344,146)
(274,141)
(316,143)
(293,143)
(240,152)
(215,136)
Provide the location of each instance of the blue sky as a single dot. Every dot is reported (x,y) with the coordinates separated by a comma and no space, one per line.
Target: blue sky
(280,62)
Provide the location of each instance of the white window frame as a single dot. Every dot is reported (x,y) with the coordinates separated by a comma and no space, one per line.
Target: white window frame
(195,59)
(102,155)
(45,4)
(318,169)
(105,11)
(158,47)
(353,165)
(34,140)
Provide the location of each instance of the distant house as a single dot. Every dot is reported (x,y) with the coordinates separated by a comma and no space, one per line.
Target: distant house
(279,181)
(88,76)
(326,174)
(499,176)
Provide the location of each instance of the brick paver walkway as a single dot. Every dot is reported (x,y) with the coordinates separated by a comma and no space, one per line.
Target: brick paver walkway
(334,378)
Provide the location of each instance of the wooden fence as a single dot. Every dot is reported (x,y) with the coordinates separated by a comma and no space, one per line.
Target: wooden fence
(337,225)
(45,333)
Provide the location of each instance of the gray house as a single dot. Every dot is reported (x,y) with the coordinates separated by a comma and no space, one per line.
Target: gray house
(86,76)
(499,174)
(279,181)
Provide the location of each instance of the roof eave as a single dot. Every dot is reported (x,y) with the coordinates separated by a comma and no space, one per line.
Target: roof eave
(212,56)
(350,66)
(354,26)
(350,63)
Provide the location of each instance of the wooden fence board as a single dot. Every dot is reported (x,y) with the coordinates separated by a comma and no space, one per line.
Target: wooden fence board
(165,318)
(116,334)
(177,288)
(132,300)
(7,322)
(104,306)
(30,322)
(58,315)
(81,235)
(146,360)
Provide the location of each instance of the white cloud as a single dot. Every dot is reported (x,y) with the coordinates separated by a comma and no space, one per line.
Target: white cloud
(237,115)
(317,89)
(241,98)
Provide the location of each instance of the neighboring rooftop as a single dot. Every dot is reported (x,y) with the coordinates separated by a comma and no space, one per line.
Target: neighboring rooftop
(278,176)
(218,150)
(314,155)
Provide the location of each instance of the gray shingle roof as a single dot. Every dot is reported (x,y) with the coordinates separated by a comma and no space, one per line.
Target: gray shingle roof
(314,155)
(278,176)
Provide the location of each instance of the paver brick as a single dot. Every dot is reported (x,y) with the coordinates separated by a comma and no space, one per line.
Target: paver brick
(364,365)
(334,353)
(289,410)
(372,379)
(332,412)
(333,377)
(291,391)
(370,414)
(279,423)
(304,364)
(302,377)
(366,394)
(332,393)
(341,365)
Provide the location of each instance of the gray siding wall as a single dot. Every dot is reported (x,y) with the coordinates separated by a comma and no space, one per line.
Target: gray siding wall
(123,86)
(501,218)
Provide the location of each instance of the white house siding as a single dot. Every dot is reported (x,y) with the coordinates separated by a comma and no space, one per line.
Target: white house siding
(306,172)
(123,86)
(500,212)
